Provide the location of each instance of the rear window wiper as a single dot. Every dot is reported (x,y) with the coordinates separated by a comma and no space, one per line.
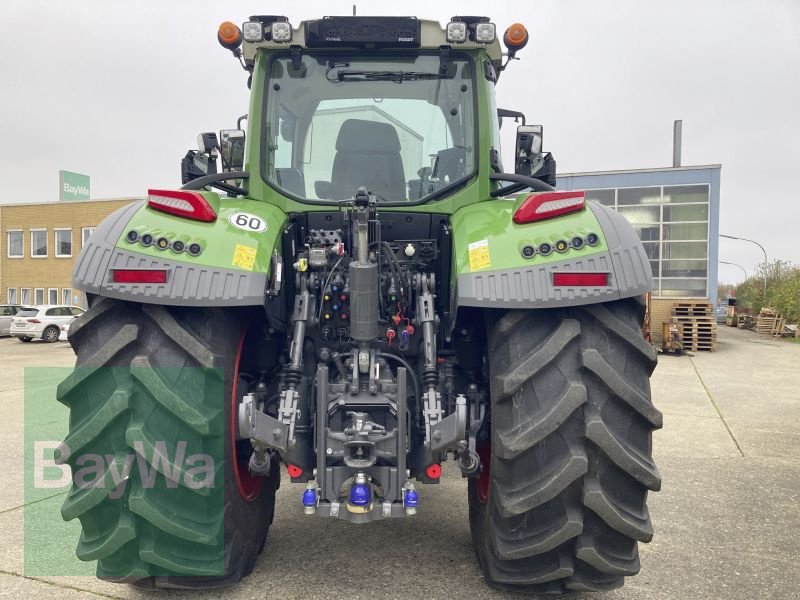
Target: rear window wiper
(395,76)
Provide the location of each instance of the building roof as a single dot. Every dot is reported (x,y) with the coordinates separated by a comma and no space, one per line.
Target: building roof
(651,170)
(70,202)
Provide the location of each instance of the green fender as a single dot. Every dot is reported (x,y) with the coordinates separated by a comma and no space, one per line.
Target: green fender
(232,267)
(499,263)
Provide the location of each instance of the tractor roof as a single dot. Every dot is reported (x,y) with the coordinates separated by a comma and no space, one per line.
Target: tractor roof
(369,34)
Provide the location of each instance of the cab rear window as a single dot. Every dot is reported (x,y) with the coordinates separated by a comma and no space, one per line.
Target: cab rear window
(28,312)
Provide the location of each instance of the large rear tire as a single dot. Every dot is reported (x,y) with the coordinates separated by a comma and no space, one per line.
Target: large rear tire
(562,504)
(147,374)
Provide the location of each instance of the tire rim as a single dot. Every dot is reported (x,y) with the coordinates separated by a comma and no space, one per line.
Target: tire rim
(484,479)
(249,486)
(51,335)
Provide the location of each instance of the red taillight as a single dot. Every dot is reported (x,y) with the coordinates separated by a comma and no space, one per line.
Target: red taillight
(434,471)
(580,279)
(545,205)
(294,471)
(139,276)
(34,321)
(181,203)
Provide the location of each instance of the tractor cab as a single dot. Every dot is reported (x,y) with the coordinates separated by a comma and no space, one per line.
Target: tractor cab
(390,104)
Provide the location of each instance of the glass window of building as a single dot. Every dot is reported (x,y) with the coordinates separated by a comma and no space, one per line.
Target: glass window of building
(605,197)
(12,295)
(25,296)
(63,243)
(85,233)
(643,195)
(15,245)
(672,223)
(52,296)
(38,296)
(38,243)
(66,295)
(681,194)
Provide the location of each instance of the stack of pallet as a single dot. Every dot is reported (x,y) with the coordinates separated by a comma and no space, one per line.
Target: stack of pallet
(769,322)
(697,325)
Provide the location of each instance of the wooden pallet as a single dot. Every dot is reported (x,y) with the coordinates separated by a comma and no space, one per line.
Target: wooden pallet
(708,319)
(661,312)
(692,309)
(703,348)
(769,322)
(696,324)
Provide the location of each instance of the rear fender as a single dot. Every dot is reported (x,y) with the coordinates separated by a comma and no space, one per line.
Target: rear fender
(232,268)
(493,267)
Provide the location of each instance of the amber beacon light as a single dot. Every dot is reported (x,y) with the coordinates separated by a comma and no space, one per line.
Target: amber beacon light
(515,37)
(229,36)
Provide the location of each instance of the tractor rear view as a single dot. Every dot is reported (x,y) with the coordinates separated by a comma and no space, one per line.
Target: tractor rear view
(367,294)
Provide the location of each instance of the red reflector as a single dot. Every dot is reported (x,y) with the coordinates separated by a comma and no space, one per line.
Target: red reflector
(34,321)
(580,279)
(181,203)
(139,276)
(434,471)
(545,205)
(294,471)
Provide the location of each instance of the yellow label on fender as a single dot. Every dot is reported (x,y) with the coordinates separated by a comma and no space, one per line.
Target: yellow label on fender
(479,255)
(244,257)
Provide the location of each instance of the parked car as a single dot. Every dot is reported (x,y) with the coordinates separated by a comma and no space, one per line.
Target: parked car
(721,312)
(64,337)
(7,312)
(42,321)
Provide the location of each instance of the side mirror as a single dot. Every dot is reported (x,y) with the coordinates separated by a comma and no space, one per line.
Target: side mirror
(528,154)
(231,149)
(207,142)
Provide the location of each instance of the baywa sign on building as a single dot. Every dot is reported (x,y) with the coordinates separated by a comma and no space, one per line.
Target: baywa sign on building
(73,186)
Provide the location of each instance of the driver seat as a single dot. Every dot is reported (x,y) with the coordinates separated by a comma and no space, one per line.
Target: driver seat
(368,155)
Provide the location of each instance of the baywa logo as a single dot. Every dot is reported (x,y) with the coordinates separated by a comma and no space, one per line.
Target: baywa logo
(112,471)
(76,189)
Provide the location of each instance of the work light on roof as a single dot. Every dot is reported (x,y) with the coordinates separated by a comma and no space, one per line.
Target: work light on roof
(485,33)
(456,32)
(281,31)
(252,31)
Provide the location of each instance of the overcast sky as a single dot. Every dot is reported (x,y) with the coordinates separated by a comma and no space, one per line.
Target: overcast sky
(119,91)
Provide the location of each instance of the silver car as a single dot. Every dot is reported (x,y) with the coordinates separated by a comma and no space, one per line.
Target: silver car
(7,311)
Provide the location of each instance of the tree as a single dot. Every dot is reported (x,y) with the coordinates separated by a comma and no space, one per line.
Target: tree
(783,289)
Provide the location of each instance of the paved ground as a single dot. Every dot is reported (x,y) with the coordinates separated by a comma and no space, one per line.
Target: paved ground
(727,521)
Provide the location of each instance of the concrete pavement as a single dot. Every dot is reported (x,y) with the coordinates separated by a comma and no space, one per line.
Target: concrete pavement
(727,521)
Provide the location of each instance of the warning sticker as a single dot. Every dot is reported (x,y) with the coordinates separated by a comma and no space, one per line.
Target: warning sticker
(244,257)
(479,255)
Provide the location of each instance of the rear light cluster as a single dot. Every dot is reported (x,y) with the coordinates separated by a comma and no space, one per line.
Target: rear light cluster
(182,203)
(562,245)
(162,243)
(546,205)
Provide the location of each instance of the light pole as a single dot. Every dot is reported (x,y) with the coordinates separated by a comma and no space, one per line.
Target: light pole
(724,262)
(733,237)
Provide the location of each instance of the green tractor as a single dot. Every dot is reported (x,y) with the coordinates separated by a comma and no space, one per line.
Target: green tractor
(367,294)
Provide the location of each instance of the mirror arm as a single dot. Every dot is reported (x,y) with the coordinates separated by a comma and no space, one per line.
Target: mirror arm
(504,112)
(520,183)
(215,179)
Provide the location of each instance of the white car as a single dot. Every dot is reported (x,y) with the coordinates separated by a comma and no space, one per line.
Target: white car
(44,321)
(7,312)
